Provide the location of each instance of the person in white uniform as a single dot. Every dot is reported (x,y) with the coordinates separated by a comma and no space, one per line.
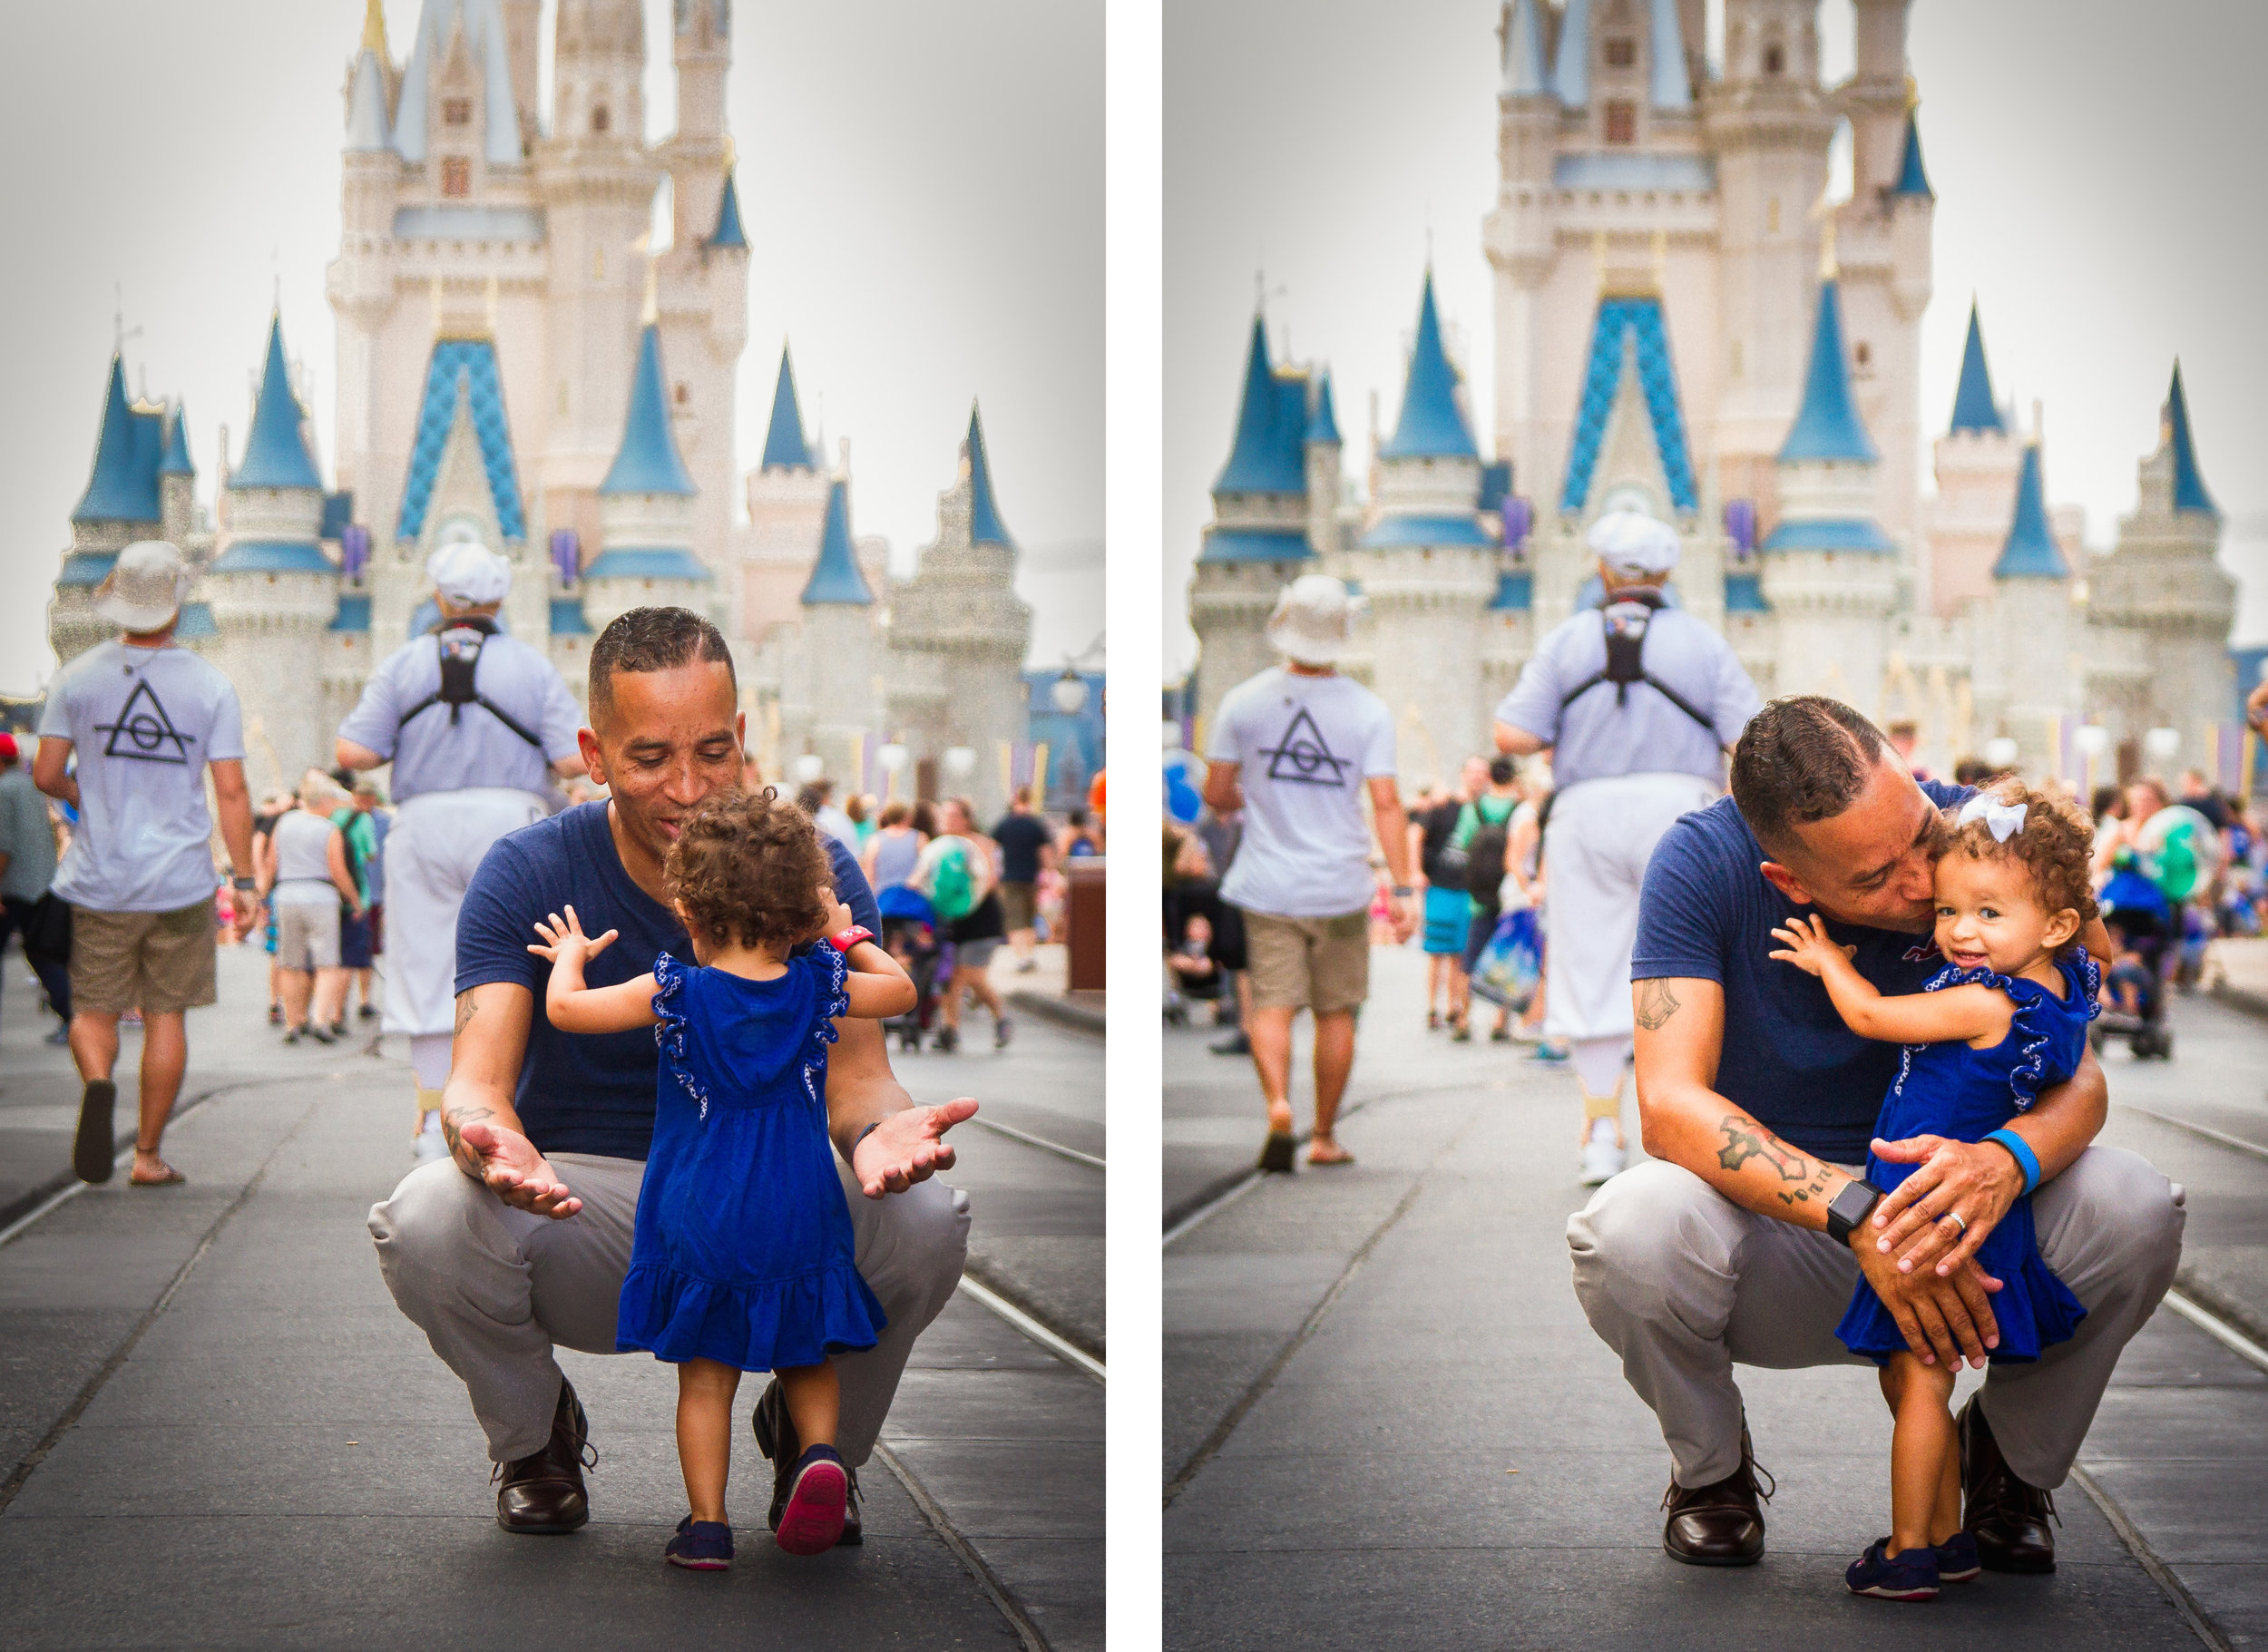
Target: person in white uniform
(1639,702)
(476,725)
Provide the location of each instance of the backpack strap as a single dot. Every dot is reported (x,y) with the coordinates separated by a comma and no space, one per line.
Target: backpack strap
(1625,664)
(459,688)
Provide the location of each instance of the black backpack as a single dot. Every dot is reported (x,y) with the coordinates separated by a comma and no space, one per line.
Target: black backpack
(460,646)
(1484,860)
(1625,621)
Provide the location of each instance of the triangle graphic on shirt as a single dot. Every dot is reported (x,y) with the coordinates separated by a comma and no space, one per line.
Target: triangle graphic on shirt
(1302,757)
(143,733)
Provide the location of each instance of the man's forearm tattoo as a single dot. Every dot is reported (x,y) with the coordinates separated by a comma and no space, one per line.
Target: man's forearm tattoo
(1744,1140)
(453,1121)
(1656,1004)
(467,1006)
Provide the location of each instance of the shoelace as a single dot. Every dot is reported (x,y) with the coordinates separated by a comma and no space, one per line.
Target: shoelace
(1749,1466)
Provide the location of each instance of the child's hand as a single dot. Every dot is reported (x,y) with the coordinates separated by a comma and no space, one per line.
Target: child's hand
(1807,946)
(565,941)
(839,916)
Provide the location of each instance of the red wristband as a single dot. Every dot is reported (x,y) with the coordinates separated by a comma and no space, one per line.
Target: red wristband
(849,938)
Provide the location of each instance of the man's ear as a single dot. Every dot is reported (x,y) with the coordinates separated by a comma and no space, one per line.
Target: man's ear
(1785,881)
(593,758)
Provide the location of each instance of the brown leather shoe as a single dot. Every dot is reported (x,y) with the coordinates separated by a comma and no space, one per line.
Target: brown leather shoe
(2009,1518)
(775,1432)
(543,1493)
(1720,1524)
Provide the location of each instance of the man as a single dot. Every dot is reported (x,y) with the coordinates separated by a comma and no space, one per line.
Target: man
(1027,848)
(1295,747)
(476,725)
(28,906)
(1483,837)
(146,720)
(370,804)
(1446,907)
(1745,1238)
(312,891)
(2197,793)
(357,928)
(976,931)
(544,1125)
(1639,702)
(818,800)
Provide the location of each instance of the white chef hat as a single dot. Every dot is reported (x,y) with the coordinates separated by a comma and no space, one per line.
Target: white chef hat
(469,574)
(1633,543)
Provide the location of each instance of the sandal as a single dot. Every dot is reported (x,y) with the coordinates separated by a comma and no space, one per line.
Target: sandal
(1325,1154)
(171,1178)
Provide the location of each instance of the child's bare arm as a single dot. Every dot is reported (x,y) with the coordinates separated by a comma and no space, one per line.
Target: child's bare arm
(572,1007)
(878,984)
(1919,1018)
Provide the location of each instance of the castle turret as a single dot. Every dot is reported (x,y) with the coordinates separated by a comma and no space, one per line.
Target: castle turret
(271,590)
(1323,450)
(787,502)
(2162,590)
(958,637)
(828,706)
(123,502)
(2026,676)
(1264,534)
(1829,572)
(1428,566)
(1978,462)
(646,510)
(177,479)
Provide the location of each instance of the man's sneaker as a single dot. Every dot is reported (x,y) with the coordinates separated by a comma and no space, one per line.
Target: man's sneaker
(1601,1159)
(700,1545)
(368,1013)
(1911,1576)
(61,1035)
(1003,1031)
(818,1499)
(1720,1523)
(95,1150)
(2007,1516)
(1546,1051)
(545,1493)
(947,1038)
(1235,1043)
(775,1432)
(1957,1560)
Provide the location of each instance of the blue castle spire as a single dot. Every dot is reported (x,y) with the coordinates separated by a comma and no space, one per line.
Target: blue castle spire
(1912,179)
(1828,425)
(1973,406)
(1526,74)
(1570,68)
(728,233)
(1431,426)
(2189,486)
(124,486)
(985,527)
(2030,552)
(1265,457)
(784,446)
(1323,424)
(648,461)
(276,453)
(835,578)
(176,462)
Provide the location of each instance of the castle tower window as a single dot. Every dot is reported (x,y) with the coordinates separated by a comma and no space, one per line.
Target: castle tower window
(598,118)
(1865,354)
(456,112)
(457,175)
(1622,54)
(1774,60)
(684,394)
(1622,121)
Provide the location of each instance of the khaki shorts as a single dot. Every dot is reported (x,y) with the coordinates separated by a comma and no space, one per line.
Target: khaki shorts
(159,963)
(1323,963)
(1019,907)
(307,937)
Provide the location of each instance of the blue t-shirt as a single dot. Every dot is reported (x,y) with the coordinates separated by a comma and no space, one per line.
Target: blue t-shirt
(585,1092)
(1707,913)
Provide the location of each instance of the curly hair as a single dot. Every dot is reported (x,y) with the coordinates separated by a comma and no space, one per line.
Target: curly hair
(747,868)
(2056,845)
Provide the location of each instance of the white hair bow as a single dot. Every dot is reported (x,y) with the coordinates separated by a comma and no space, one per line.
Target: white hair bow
(2003,820)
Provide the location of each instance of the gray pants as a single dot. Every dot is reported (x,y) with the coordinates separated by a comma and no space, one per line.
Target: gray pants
(1682,1283)
(495,1288)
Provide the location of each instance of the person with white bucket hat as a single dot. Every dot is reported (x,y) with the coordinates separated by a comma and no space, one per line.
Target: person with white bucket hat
(476,725)
(145,719)
(1296,749)
(1639,702)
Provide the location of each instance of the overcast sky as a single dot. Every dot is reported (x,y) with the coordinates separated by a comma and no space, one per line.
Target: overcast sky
(2097,172)
(921,186)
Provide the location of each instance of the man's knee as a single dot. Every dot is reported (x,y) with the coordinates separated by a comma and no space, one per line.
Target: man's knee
(914,1245)
(2121,1201)
(422,1227)
(1641,1236)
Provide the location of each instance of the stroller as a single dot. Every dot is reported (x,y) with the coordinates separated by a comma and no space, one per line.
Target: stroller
(2141,921)
(911,934)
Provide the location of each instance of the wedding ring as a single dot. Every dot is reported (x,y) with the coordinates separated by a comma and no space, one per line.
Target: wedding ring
(1954,1216)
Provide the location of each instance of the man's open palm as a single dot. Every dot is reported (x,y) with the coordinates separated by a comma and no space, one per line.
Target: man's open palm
(908,1147)
(516,1173)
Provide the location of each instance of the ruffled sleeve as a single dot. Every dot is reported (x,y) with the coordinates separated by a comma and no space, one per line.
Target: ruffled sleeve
(829,972)
(2042,1020)
(670,1024)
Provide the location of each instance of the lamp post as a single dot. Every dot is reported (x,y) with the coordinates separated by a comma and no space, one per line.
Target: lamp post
(1069,692)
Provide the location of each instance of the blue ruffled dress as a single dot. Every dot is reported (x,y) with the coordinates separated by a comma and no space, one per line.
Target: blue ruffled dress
(1950,1089)
(742,1250)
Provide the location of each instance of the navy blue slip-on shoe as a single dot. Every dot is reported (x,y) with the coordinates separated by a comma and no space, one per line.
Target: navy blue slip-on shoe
(700,1545)
(1911,1576)
(1957,1560)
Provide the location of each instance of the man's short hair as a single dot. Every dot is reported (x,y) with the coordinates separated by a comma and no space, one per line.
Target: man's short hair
(1502,768)
(1800,759)
(653,640)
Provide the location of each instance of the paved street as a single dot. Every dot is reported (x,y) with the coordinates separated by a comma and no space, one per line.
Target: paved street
(1386,1420)
(218,1431)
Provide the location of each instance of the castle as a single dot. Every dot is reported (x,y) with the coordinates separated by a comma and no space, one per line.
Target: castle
(515,366)
(1679,329)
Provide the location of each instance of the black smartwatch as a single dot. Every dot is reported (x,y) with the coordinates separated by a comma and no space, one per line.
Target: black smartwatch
(1851,1206)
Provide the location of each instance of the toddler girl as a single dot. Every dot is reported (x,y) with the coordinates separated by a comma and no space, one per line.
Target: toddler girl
(741,1255)
(2003,1020)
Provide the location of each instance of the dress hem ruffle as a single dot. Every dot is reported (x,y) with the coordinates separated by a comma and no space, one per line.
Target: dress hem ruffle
(760,1325)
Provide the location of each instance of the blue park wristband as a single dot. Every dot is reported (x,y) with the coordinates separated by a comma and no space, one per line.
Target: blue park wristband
(2021,1151)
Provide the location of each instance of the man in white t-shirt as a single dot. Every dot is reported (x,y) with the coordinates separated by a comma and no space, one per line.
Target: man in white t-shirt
(146,719)
(1295,748)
